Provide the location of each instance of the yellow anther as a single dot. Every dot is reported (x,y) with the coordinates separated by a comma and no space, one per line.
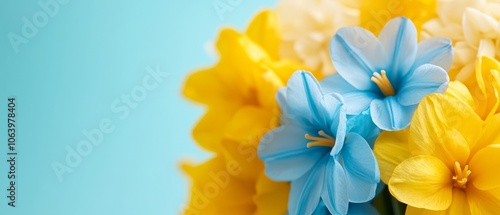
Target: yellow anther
(383,83)
(323,140)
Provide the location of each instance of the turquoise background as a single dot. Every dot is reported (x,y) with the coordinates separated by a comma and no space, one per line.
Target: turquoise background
(67,76)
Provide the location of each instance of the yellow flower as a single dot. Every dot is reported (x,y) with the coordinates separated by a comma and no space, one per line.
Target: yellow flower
(482,90)
(307,27)
(376,13)
(446,162)
(239,90)
(234,183)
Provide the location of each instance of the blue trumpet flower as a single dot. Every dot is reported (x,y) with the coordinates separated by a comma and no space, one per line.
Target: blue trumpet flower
(390,74)
(320,150)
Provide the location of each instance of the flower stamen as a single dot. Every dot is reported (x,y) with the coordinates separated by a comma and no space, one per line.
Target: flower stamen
(383,83)
(323,140)
(461,176)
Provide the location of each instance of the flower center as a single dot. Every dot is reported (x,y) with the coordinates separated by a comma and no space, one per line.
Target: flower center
(323,140)
(383,83)
(461,175)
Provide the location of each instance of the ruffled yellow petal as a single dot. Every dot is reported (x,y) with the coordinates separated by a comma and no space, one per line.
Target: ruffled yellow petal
(213,183)
(459,91)
(251,122)
(490,134)
(420,211)
(210,130)
(264,31)
(376,13)
(391,148)
(444,127)
(484,167)
(423,182)
(245,157)
(272,197)
(486,87)
(483,202)
(459,206)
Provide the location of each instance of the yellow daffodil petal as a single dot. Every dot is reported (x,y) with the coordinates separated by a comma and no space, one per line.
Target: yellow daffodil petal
(490,134)
(483,201)
(267,84)
(459,206)
(444,127)
(206,87)
(213,184)
(422,181)
(484,167)
(487,86)
(240,51)
(391,148)
(420,211)
(211,128)
(375,13)
(460,92)
(264,31)
(251,122)
(272,197)
(245,157)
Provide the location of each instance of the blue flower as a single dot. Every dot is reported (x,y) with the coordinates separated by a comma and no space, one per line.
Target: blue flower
(389,74)
(317,149)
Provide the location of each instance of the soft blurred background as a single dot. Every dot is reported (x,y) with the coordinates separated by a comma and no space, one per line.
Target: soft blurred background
(85,57)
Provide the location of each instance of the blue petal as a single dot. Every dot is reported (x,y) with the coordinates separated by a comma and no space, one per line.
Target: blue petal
(355,100)
(334,107)
(399,38)
(281,98)
(358,101)
(361,168)
(321,209)
(335,83)
(285,153)
(356,54)
(363,125)
(423,81)
(304,97)
(305,192)
(335,193)
(362,209)
(435,50)
(389,115)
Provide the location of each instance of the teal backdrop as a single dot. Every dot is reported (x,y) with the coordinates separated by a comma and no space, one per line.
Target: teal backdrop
(101,126)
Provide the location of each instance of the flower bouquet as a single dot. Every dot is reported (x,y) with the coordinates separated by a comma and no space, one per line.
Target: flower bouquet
(352,107)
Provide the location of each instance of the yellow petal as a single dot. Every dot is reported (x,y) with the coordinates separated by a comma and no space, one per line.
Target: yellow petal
(272,197)
(376,13)
(420,211)
(215,190)
(239,51)
(460,205)
(391,148)
(490,134)
(210,130)
(207,87)
(484,167)
(267,84)
(423,182)
(251,122)
(460,92)
(245,157)
(264,31)
(486,86)
(444,127)
(483,202)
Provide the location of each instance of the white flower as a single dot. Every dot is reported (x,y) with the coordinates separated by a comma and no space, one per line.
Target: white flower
(308,25)
(473,26)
